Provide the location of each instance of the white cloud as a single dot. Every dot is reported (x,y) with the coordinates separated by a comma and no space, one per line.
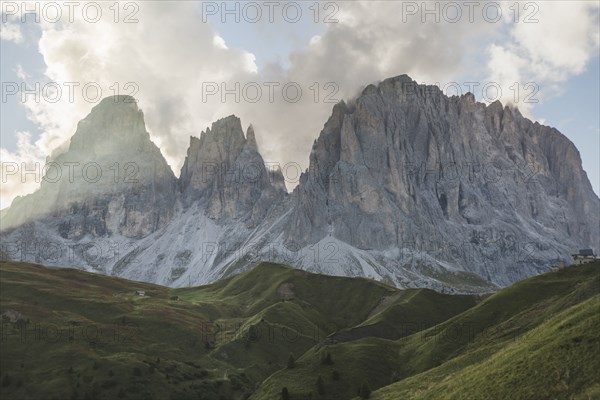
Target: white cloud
(11,32)
(167,70)
(219,42)
(21,74)
(563,39)
(547,52)
(370,43)
(15,167)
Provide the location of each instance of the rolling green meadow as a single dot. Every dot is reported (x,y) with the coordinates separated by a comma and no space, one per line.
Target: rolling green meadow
(275,332)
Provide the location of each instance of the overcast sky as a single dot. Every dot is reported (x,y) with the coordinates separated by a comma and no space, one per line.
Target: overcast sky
(176,57)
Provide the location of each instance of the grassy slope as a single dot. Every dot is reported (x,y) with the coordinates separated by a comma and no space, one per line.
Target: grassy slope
(483,334)
(556,360)
(221,341)
(87,334)
(90,336)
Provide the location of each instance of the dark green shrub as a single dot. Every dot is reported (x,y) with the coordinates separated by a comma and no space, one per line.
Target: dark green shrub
(291,362)
(320,385)
(365,390)
(335,375)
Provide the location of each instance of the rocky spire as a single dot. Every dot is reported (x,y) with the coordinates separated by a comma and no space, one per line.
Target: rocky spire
(225,173)
(251,139)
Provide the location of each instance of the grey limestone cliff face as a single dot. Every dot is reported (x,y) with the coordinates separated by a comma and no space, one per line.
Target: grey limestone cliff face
(405,166)
(224,173)
(112,179)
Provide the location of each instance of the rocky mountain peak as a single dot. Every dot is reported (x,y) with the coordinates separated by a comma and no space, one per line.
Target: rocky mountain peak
(114,123)
(110,164)
(407,165)
(277,179)
(226,131)
(251,144)
(225,172)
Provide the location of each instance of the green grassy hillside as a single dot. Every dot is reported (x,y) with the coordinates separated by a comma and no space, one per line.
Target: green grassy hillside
(71,334)
(556,360)
(498,349)
(68,334)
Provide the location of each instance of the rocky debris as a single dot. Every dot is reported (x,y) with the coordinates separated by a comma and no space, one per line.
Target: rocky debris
(11,316)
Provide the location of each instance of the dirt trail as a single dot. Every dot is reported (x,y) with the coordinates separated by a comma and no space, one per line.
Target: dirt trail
(383,303)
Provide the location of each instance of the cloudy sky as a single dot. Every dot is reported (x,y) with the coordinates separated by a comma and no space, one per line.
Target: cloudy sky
(287,63)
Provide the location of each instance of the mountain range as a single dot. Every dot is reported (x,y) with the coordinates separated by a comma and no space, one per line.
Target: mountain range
(405,185)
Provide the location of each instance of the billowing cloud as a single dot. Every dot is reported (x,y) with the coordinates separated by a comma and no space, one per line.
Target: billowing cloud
(185,75)
(550,43)
(21,169)
(11,32)
(162,71)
